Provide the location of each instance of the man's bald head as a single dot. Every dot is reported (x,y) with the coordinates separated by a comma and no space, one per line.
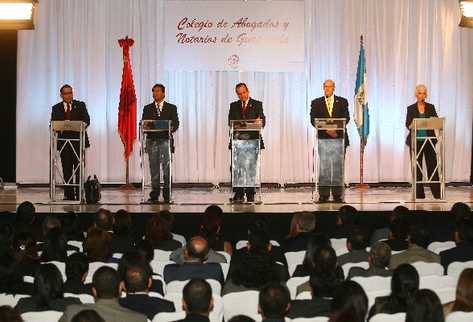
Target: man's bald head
(197,249)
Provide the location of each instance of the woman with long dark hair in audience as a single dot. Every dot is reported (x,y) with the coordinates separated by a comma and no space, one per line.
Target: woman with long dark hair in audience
(404,283)
(464,294)
(25,254)
(122,239)
(316,241)
(425,307)
(54,246)
(48,292)
(159,235)
(211,229)
(98,246)
(349,303)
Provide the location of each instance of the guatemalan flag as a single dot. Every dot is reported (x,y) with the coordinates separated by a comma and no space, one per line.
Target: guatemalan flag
(362,117)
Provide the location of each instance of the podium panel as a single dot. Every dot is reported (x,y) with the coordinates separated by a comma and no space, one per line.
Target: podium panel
(331,163)
(245,163)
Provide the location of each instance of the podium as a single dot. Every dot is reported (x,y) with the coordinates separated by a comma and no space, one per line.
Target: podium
(64,134)
(329,154)
(245,140)
(148,129)
(419,142)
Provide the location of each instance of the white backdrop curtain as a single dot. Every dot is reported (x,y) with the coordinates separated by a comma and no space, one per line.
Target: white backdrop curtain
(407,42)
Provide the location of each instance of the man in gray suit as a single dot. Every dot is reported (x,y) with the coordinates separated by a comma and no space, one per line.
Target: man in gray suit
(106,292)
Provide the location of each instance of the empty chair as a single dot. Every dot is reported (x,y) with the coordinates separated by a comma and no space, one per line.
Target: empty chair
(293,259)
(428,269)
(460,317)
(304,296)
(178,286)
(10,299)
(443,286)
(383,317)
(216,315)
(374,286)
(339,245)
(94,266)
(293,283)
(346,267)
(245,303)
(438,247)
(456,268)
(44,316)
(242,243)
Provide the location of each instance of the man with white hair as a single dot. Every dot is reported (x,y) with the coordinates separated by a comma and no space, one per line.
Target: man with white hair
(330,106)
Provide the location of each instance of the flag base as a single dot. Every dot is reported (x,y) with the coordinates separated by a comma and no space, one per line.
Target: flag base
(362,186)
(127,187)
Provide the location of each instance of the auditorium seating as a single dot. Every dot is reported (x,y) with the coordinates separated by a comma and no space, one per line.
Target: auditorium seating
(428,269)
(49,316)
(241,303)
(398,317)
(293,259)
(293,283)
(460,317)
(454,269)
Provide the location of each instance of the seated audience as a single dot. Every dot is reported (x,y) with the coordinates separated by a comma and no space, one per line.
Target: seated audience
(425,307)
(137,286)
(356,245)
(302,227)
(211,228)
(104,220)
(168,218)
(418,240)
(349,304)
(25,254)
(344,222)
(77,268)
(87,316)
(383,233)
(316,241)
(463,251)
(25,220)
(464,294)
(197,301)
(98,246)
(378,259)
(159,235)
(397,235)
(105,290)
(122,237)
(325,268)
(54,246)
(9,314)
(404,283)
(194,267)
(48,292)
(50,222)
(274,302)
(239,318)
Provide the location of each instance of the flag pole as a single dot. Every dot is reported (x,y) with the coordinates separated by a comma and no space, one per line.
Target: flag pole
(361,184)
(127,186)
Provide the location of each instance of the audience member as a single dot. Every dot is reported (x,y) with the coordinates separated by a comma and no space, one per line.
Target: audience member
(344,222)
(211,228)
(122,237)
(356,245)
(159,235)
(50,222)
(54,246)
(463,251)
(425,307)
(239,318)
(98,246)
(9,314)
(197,301)
(464,294)
(349,304)
(378,259)
(104,220)
(316,241)
(11,280)
(87,316)
(274,302)
(25,219)
(398,234)
(25,253)
(77,268)
(383,233)
(302,227)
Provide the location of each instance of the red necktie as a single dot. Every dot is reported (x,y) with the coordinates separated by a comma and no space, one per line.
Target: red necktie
(68,111)
(245,108)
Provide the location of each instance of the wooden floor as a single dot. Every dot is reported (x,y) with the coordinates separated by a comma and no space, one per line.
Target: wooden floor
(273,200)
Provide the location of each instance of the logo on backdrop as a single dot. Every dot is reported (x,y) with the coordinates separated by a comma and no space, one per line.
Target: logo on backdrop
(233,61)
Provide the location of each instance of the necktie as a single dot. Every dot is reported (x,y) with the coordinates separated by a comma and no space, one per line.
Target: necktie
(245,106)
(158,110)
(330,106)
(68,111)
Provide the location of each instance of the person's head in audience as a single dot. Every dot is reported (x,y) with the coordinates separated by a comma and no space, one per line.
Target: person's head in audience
(345,216)
(167,218)
(418,235)
(51,222)
(316,241)
(138,279)
(197,297)
(464,293)
(326,276)
(302,222)
(398,229)
(10,278)
(241,318)
(425,307)
(130,259)
(7,232)
(258,224)
(211,225)
(380,255)
(357,240)
(349,304)
(460,210)
(105,283)
(48,285)
(197,250)
(157,231)
(9,314)
(77,267)
(54,246)
(145,248)
(98,245)
(24,248)
(122,223)
(259,242)
(465,231)
(87,316)
(104,219)
(404,283)
(274,301)
(398,212)
(25,213)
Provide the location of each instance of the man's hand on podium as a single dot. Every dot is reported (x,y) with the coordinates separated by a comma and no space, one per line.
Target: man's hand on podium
(332,133)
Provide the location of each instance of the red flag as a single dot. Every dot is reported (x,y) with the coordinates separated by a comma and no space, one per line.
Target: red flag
(127,105)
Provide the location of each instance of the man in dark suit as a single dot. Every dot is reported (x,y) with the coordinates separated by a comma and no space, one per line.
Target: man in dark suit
(330,106)
(137,284)
(246,108)
(159,144)
(463,252)
(356,244)
(196,253)
(72,110)
(197,301)
(77,267)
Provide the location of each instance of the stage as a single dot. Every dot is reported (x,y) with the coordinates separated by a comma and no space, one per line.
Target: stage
(195,200)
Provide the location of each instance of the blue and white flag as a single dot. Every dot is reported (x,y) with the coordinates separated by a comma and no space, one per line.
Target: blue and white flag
(362,116)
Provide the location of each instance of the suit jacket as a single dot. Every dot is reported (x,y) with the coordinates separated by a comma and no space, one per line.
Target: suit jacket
(397,244)
(413,112)
(78,113)
(108,309)
(371,271)
(177,256)
(339,110)
(186,271)
(413,254)
(28,304)
(169,112)
(77,287)
(296,243)
(254,111)
(463,252)
(318,306)
(147,305)
(355,256)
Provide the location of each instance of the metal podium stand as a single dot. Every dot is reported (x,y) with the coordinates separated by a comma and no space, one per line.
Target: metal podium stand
(57,127)
(329,171)
(245,138)
(437,142)
(149,127)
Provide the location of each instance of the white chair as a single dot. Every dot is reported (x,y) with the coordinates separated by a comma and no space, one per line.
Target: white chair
(293,259)
(178,286)
(346,267)
(169,316)
(456,268)
(70,252)
(161,255)
(304,296)
(61,267)
(216,315)
(158,267)
(438,247)
(179,238)
(76,243)
(44,316)
(117,255)
(315,319)
(374,294)
(339,245)
(10,299)
(84,298)
(443,286)
(460,317)
(228,257)
(94,266)
(241,303)
(428,269)
(294,282)
(225,267)
(242,243)
(382,317)
(374,286)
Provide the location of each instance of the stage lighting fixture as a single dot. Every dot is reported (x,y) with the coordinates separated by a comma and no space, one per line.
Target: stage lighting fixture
(466,7)
(17,14)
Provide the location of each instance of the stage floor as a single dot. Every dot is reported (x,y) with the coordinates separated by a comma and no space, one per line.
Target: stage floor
(195,200)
